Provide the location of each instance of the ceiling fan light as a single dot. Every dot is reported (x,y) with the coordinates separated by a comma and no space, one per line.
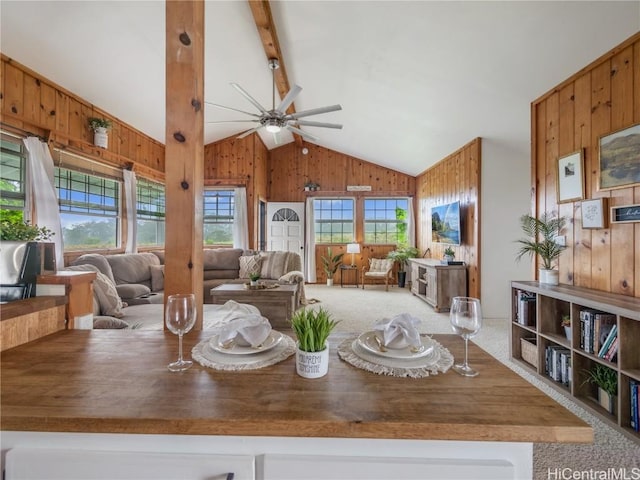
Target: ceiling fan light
(272,128)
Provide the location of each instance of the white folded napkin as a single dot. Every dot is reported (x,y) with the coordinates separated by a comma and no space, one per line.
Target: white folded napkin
(241,322)
(399,331)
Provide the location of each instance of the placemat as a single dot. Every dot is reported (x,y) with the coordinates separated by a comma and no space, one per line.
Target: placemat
(208,357)
(439,361)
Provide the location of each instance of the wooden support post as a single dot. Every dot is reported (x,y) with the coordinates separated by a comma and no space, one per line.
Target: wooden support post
(184,151)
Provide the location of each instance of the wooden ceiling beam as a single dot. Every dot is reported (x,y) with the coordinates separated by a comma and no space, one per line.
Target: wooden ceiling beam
(261,10)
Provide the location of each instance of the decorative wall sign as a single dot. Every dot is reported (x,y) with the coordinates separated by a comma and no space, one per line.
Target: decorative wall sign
(570,182)
(620,159)
(625,214)
(593,213)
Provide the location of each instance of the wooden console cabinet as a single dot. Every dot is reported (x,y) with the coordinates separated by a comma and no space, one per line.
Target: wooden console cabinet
(436,283)
(536,332)
(77,286)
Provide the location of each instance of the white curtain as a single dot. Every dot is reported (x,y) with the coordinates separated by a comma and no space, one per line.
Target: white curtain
(131,207)
(240,220)
(45,200)
(310,244)
(411,224)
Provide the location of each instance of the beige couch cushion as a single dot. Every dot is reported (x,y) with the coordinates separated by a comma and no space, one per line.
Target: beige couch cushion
(222,259)
(157,277)
(250,264)
(132,267)
(104,291)
(98,261)
(274,264)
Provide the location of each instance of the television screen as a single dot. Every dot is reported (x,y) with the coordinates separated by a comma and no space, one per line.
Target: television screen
(445,223)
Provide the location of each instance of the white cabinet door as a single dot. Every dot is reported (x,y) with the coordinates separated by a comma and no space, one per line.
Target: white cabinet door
(77,464)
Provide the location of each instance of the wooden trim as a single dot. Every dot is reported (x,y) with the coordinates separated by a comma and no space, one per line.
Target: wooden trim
(30,305)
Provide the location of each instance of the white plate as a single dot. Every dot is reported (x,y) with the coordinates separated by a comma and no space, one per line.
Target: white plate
(368,341)
(272,340)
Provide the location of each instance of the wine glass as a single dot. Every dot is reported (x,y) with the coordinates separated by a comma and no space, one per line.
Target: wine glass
(466,320)
(180,316)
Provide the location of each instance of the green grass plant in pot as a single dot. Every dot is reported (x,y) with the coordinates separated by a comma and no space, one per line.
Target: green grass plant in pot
(606,379)
(401,255)
(330,264)
(312,329)
(541,241)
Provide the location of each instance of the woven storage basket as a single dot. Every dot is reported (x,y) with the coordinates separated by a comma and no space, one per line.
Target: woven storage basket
(529,351)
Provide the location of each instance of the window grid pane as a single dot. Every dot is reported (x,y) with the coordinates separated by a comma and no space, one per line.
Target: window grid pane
(334,220)
(12,174)
(219,206)
(385,220)
(150,213)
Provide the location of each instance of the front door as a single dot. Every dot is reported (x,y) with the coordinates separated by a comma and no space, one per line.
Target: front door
(285,227)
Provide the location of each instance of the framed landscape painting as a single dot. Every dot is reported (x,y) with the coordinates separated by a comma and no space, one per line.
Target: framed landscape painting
(620,159)
(570,177)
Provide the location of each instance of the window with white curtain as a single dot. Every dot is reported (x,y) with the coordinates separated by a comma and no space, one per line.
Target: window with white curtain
(386,220)
(150,213)
(13,184)
(218,216)
(89,209)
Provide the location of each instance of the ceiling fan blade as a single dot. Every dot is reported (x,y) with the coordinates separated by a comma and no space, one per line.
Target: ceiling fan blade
(232,121)
(232,109)
(249,97)
(289,98)
(313,111)
(249,132)
(304,135)
(309,123)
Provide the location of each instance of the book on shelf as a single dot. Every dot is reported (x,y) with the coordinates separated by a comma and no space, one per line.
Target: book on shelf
(633,402)
(526,308)
(611,336)
(558,363)
(612,352)
(603,323)
(595,327)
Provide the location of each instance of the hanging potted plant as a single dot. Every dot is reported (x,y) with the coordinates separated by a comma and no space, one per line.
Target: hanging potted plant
(100,127)
(330,264)
(542,233)
(312,329)
(402,254)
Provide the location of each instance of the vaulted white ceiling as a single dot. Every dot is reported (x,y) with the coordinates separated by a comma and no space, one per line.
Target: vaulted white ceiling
(416,80)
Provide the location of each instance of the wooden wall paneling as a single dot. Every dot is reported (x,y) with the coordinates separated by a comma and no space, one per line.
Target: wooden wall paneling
(2,87)
(31,100)
(551,153)
(47,106)
(600,124)
(566,145)
(13,90)
(75,119)
(581,250)
(636,119)
(62,113)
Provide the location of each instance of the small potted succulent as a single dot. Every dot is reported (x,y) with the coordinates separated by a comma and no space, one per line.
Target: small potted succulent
(606,379)
(312,329)
(449,254)
(253,279)
(100,127)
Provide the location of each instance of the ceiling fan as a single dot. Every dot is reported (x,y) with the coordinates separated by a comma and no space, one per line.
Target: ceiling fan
(276,119)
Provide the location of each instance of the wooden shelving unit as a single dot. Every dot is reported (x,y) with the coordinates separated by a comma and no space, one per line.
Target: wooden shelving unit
(543,329)
(436,283)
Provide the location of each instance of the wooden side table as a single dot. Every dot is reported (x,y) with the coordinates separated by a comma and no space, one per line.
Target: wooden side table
(349,268)
(78,287)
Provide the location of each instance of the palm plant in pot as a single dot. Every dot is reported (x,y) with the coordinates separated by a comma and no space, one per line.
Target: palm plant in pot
(330,264)
(541,241)
(402,254)
(312,329)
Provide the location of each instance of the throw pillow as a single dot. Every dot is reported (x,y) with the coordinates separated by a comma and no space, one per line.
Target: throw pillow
(109,322)
(274,264)
(108,298)
(250,264)
(132,290)
(380,264)
(157,277)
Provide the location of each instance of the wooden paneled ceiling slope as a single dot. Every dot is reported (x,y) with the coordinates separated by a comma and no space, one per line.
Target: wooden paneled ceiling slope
(416,80)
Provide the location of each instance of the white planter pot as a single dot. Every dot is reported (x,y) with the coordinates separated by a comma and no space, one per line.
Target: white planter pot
(548,277)
(608,402)
(11,257)
(100,138)
(329,282)
(312,364)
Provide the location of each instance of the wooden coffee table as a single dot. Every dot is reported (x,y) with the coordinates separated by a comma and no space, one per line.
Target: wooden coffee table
(277,304)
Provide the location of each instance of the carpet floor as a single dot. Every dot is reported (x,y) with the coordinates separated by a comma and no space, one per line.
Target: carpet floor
(612,453)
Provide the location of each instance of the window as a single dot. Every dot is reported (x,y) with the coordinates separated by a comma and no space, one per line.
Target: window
(150,213)
(89,209)
(218,217)
(12,178)
(385,220)
(334,220)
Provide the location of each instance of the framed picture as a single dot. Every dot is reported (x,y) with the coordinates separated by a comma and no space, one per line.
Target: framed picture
(620,159)
(625,214)
(571,177)
(593,213)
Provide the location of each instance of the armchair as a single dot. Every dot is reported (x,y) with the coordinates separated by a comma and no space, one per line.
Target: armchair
(378,269)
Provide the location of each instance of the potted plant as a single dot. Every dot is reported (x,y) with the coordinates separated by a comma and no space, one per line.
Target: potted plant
(330,264)
(253,279)
(100,127)
(449,254)
(606,379)
(312,329)
(402,254)
(541,241)
(311,186)
(565,323)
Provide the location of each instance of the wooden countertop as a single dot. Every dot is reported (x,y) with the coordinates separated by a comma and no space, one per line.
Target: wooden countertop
(117,381)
